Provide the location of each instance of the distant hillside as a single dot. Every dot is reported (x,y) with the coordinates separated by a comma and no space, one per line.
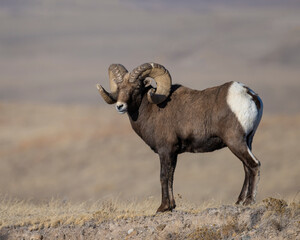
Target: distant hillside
(56,51)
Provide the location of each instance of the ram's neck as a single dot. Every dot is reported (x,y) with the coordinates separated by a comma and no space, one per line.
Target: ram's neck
(141,116)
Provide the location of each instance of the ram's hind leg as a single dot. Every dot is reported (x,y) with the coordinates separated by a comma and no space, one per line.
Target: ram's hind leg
(244,190)
(253,179)
(252,168)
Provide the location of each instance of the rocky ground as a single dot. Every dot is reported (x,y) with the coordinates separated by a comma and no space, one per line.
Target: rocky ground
(271,219)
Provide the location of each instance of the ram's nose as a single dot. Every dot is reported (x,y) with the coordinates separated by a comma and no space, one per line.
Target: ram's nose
(121,107)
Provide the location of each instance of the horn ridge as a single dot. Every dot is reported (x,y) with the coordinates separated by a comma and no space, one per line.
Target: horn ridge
(116,73)
(136,72)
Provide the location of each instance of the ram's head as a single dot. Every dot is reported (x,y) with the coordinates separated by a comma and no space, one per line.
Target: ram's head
(127,88)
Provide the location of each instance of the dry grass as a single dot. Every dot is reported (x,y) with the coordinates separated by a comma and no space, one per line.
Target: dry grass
(55,213)
(17,213)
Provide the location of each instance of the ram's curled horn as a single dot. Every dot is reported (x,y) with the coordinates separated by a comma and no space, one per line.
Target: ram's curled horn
(161,76)
(116,74)
(108,97)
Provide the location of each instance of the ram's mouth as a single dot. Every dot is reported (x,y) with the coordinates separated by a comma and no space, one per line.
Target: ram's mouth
(122,111)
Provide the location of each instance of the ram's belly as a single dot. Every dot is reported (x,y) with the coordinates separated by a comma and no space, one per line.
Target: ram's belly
(201,145)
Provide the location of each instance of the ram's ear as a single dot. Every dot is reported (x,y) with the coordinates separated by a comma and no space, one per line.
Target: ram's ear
(147,82)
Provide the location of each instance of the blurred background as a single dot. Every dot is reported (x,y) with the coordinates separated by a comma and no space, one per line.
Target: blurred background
(59,139)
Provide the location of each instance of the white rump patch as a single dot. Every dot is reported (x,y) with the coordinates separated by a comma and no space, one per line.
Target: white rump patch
(242,105)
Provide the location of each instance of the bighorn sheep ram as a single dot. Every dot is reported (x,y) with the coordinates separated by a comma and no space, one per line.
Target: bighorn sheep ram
(173,119)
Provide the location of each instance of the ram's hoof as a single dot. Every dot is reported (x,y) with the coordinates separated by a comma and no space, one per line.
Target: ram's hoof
(164,208)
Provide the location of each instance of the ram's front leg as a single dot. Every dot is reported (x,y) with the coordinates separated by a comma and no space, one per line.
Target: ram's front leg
(167,168)
(170,185)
